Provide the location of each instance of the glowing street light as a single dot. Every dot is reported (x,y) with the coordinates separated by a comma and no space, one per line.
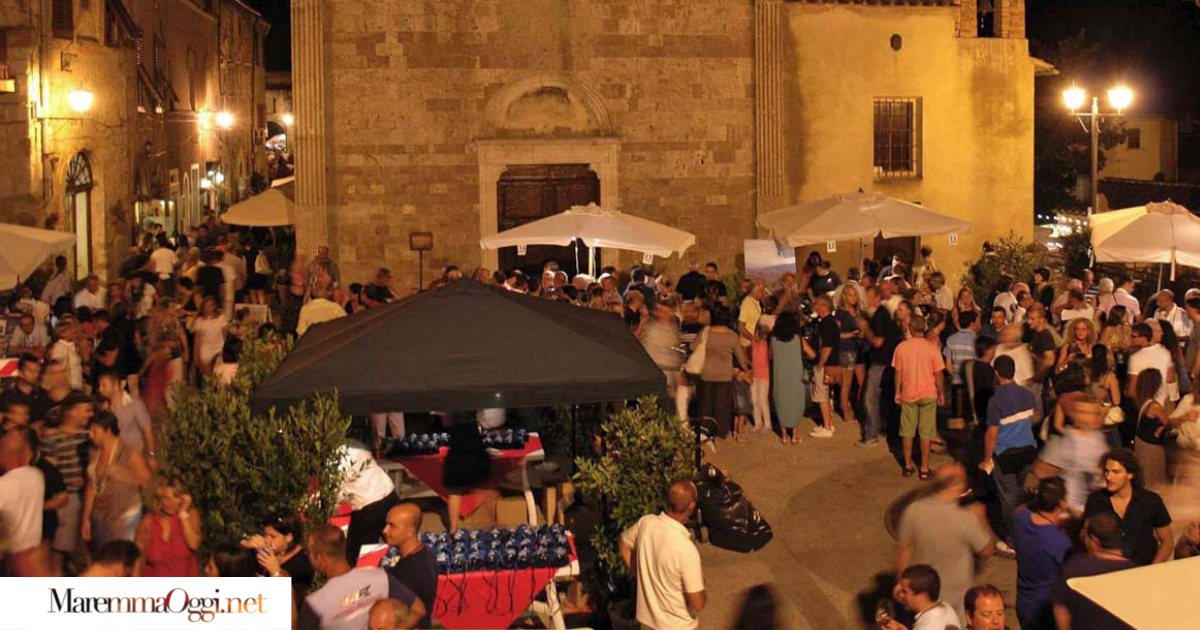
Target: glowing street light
(1074,98)
(224,120)
(80,100)
(1119,97)
(288,119)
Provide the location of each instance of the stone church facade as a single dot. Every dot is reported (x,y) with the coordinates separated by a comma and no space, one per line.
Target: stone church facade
(464,117)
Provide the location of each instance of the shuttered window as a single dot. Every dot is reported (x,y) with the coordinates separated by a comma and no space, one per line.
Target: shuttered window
(897,125)
(63,19)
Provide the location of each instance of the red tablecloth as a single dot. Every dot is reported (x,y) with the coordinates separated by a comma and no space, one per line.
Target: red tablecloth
(482,599)
(428,468)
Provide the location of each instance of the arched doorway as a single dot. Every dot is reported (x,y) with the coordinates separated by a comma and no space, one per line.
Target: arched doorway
(78,212)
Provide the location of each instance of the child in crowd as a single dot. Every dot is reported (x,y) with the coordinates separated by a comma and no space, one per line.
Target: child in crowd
(760,387)
(742,405)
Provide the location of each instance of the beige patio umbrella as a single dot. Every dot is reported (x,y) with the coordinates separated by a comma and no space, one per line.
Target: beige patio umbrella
(856,216)
(1164,232)
(596,227)
(23,248)
(1155,597)
(268,209)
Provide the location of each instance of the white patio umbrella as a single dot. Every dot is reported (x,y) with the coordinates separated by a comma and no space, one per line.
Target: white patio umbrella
(269,209)
(858,215)
(22,249)
(596,227)
(1163,232)
(1159,596)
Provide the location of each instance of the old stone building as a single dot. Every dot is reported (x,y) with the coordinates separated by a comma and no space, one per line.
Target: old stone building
(108,119)
(465,117)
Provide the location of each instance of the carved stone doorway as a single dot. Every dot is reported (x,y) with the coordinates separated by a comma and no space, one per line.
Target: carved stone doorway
(528,192)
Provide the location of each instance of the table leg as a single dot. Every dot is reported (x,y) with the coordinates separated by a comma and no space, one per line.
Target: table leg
(552,505)
(530,506)
(556,613)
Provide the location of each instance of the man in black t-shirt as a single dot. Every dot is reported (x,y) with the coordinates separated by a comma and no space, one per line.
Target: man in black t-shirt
(828,340)
(1042,347)
(1146,524)
(884,335)
(416,566)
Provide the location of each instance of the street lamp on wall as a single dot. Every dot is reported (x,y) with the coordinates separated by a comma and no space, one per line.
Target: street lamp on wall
(1120,98)
(80,101)
(224,120)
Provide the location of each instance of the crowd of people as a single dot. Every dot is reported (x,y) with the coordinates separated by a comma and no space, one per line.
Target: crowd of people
(1068,405)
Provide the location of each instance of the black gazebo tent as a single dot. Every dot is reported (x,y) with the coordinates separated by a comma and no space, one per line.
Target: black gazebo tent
(464,347)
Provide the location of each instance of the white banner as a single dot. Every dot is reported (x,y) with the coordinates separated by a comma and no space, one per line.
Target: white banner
(146,603)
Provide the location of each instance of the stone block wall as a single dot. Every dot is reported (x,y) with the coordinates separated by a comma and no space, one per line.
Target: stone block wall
(410,85)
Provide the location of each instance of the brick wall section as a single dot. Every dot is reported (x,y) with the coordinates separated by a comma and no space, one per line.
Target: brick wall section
(411,81)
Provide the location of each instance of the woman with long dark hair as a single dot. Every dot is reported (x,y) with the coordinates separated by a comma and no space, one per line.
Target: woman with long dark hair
(1152,428)
(789,375)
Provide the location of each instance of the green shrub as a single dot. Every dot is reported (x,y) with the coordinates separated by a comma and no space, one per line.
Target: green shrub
(240,466)
(645,451)
(1012,256)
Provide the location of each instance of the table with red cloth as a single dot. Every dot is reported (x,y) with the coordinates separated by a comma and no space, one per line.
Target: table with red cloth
(490,598)
(429,469)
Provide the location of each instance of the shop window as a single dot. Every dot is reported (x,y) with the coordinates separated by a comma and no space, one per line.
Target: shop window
(897,138)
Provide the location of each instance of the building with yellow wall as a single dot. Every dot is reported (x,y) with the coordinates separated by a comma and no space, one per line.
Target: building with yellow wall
(465,117)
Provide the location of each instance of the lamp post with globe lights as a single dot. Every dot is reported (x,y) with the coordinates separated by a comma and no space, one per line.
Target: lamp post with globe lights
(1120,98)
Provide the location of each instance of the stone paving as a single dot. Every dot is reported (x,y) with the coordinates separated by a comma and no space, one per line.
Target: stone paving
(825,500)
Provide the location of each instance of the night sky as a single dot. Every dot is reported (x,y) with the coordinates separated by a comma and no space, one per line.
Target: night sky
(1151,45)
(279,40)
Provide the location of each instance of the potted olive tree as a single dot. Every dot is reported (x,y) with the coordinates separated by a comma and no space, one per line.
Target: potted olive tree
(644,450)
(240,466)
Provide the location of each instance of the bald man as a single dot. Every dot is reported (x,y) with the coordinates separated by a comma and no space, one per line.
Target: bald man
(937,532)
(416,566)
(659,550)
(387,614)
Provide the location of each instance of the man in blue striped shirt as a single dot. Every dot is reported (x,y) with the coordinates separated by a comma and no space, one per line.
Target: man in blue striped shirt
(960,347)
(1008,447)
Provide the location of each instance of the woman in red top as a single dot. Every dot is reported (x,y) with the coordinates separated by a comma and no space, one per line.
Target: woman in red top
(169,536)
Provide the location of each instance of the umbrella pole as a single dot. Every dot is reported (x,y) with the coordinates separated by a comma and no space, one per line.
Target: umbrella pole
(576,242)
(1160,270)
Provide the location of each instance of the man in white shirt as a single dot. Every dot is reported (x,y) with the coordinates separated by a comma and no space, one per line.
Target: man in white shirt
(59,284)
(1170,312)
(1077,307)
(370,492)
(22,493)
(1149,355)
(30,337)
(918,591)
(317,311)
(164,261)
(943,297)
(64,351)
(1123,296)
(1011,346)
(90,295)
(659,551)
(1006,299)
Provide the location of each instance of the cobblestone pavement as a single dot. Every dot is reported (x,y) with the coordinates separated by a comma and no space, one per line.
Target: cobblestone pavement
(825,500)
